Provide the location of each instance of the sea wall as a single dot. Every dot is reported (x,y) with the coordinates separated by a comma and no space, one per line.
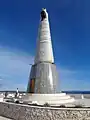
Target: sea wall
(25,112)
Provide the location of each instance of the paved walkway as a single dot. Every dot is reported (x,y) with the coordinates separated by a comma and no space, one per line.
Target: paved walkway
(3,118)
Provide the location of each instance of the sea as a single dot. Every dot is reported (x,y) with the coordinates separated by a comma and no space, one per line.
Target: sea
(78,94)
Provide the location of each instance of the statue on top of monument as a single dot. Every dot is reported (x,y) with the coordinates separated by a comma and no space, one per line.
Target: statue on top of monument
(43,14)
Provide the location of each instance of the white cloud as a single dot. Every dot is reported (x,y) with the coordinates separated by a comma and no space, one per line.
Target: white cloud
(73,79)
(14,68)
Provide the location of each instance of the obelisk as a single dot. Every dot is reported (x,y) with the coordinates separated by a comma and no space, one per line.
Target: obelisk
(43,75)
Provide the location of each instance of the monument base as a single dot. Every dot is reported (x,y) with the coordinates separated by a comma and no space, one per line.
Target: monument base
(52,99)
(43,78)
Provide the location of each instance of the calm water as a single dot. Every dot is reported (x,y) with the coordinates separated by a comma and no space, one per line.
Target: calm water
(77,92)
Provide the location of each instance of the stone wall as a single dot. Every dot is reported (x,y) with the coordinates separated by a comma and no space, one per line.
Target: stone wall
(25,112)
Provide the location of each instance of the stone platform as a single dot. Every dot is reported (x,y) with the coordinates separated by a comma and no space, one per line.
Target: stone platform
(26,112)
(52,99)
(4,118)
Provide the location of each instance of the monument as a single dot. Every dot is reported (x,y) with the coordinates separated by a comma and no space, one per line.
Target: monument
(43,76)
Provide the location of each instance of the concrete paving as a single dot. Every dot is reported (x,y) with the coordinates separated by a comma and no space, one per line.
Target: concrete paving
(4,118)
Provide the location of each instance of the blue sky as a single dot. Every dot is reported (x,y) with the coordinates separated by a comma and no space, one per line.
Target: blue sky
(70,30)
